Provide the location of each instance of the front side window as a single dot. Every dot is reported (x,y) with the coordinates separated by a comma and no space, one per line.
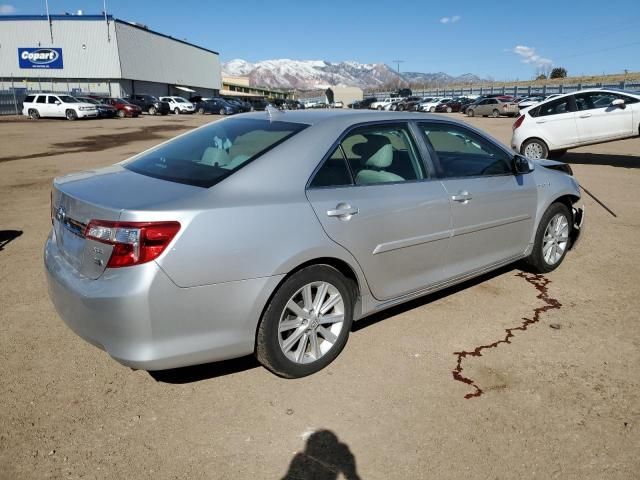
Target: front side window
(209,154)
(382,154)
(594,100)
(463,153)
(52,99)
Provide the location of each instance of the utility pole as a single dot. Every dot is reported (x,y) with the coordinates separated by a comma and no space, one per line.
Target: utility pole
(398,62)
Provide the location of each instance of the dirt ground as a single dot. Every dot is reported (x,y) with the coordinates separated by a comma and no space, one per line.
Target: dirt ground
(560,399)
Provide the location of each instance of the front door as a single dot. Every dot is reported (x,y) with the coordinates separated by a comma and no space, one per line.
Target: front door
(375,197)
(54,107)
(598,120)
(493,210)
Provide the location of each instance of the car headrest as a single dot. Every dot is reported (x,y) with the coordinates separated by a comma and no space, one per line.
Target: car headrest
(382,158)
(213,155)
(373,143)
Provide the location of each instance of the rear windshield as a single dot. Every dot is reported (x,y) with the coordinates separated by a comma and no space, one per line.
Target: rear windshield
(209,154)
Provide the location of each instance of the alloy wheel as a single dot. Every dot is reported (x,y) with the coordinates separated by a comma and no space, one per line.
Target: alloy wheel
(533,150)
(556,238)
(311,322)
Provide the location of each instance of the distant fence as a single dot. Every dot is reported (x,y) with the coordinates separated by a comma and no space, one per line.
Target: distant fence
(514,90)
(11,100)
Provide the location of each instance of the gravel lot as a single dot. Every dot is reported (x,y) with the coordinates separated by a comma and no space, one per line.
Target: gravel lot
(560,399)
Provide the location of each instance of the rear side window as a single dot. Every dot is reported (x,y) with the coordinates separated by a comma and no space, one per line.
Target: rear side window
(555,107)
(41,99)
(29,99)
(207,155)
(334,172)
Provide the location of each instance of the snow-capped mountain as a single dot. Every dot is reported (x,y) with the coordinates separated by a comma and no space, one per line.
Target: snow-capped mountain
(317,74)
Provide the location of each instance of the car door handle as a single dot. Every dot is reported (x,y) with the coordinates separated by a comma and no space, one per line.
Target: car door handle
(585,115)
(462,197)
(541,121)
(343,211)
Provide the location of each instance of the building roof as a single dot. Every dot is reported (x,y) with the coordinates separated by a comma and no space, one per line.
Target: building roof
(5,18)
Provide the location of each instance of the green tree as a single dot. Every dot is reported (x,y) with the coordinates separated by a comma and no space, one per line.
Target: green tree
(558,72)
(542,76)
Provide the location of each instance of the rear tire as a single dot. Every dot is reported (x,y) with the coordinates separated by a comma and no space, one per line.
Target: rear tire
(449,110)
(71,115)
(432,109)
(379,107)
(122,113)
(201,111)
(35,114)
(317,339)
(552,239)
(534,148)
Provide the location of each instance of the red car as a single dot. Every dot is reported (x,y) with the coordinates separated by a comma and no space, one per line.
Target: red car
(125,109)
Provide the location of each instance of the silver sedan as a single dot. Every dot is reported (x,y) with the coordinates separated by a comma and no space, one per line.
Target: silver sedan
(269,233)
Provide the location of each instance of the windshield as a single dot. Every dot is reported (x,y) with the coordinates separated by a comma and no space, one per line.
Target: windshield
(68,99)
(122,100)
(209,154)
(179,100)
(89,100)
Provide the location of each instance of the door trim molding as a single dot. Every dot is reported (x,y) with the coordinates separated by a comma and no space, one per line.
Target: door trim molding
(411,242)
(487,225)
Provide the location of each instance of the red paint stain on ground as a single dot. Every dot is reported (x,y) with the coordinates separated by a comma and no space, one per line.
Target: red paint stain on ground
(541,283)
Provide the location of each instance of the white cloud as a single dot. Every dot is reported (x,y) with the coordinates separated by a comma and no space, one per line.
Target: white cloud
(7,9)
(453,19)
(529,55)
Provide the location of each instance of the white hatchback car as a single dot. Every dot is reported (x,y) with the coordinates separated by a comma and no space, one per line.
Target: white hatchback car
(575,119)
(38,105)
(431,106)
(179,104)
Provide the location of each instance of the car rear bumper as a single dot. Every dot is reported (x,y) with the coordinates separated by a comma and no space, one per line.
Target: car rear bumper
(144,321)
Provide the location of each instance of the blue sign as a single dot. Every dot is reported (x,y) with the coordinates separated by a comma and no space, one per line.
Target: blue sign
(40,57)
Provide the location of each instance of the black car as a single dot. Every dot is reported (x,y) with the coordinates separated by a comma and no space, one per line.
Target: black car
(259,105)
(104,110)
(363,104)
(216,105)
(150,104)
(243,106)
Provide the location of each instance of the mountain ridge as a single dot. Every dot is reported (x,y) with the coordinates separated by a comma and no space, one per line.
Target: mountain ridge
(319,74)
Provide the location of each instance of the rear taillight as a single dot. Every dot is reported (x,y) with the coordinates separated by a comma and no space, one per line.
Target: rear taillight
(133,242)
(518,121)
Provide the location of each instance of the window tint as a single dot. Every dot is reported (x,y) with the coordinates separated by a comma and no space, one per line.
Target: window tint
(463,153)
(555,107)
(334,172)
(52,99)
(29,99)
(593,100)
(209,154)
(41,99)
(382,154)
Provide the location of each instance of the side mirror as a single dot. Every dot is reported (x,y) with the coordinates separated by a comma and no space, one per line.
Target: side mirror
(521,165)
(57,102)
(618,102)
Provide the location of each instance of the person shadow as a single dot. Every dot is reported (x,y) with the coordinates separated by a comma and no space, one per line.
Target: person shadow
(324,458)
(7,236)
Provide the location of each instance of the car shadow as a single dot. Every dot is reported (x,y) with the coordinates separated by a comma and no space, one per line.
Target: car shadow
(425,300)
(624,161)
(7,236)
(198,373)
(206,371)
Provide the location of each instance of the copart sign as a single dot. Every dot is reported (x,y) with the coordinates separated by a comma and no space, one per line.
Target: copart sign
(40,57)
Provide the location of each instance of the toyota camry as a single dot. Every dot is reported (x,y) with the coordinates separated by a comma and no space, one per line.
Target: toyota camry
(270,233)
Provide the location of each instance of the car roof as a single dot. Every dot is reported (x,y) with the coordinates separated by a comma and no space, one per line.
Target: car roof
(345,117)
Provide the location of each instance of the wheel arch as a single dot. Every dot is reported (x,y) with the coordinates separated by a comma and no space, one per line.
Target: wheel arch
(528,139)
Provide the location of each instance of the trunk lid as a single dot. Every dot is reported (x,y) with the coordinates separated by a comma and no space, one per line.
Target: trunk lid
(103,195)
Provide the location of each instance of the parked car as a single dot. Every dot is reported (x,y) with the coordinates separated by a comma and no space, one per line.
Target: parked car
(529,101)
(360,104)
(337,104)
(430,106)
(242,105)
(160,260)
(150,104)
(571,120)
(408,104)
(124,107)
(380,104)
(493,107)
(37,105)
(104,110)
(393,106)
(260,105)
(218,106)
(179,105)
(453,105)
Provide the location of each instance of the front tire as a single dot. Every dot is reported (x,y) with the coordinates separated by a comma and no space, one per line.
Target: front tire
(449,110)
(153,111)
(534,148)
(71,115)
(552,239)
(432,109)
(122,113)
(201,111)
(307,322)
(176,111)
(222,111)
(471,113)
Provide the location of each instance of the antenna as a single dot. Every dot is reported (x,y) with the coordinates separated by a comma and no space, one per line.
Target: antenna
(397,62)
(46,5)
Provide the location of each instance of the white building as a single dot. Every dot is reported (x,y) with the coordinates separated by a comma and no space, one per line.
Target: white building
(103,55)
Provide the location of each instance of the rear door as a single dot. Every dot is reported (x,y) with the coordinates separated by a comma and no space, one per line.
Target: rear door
(597,119)
(492,209)
(557,120)
(374,196)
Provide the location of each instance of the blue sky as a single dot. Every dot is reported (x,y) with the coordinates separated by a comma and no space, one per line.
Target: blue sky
(586,37)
